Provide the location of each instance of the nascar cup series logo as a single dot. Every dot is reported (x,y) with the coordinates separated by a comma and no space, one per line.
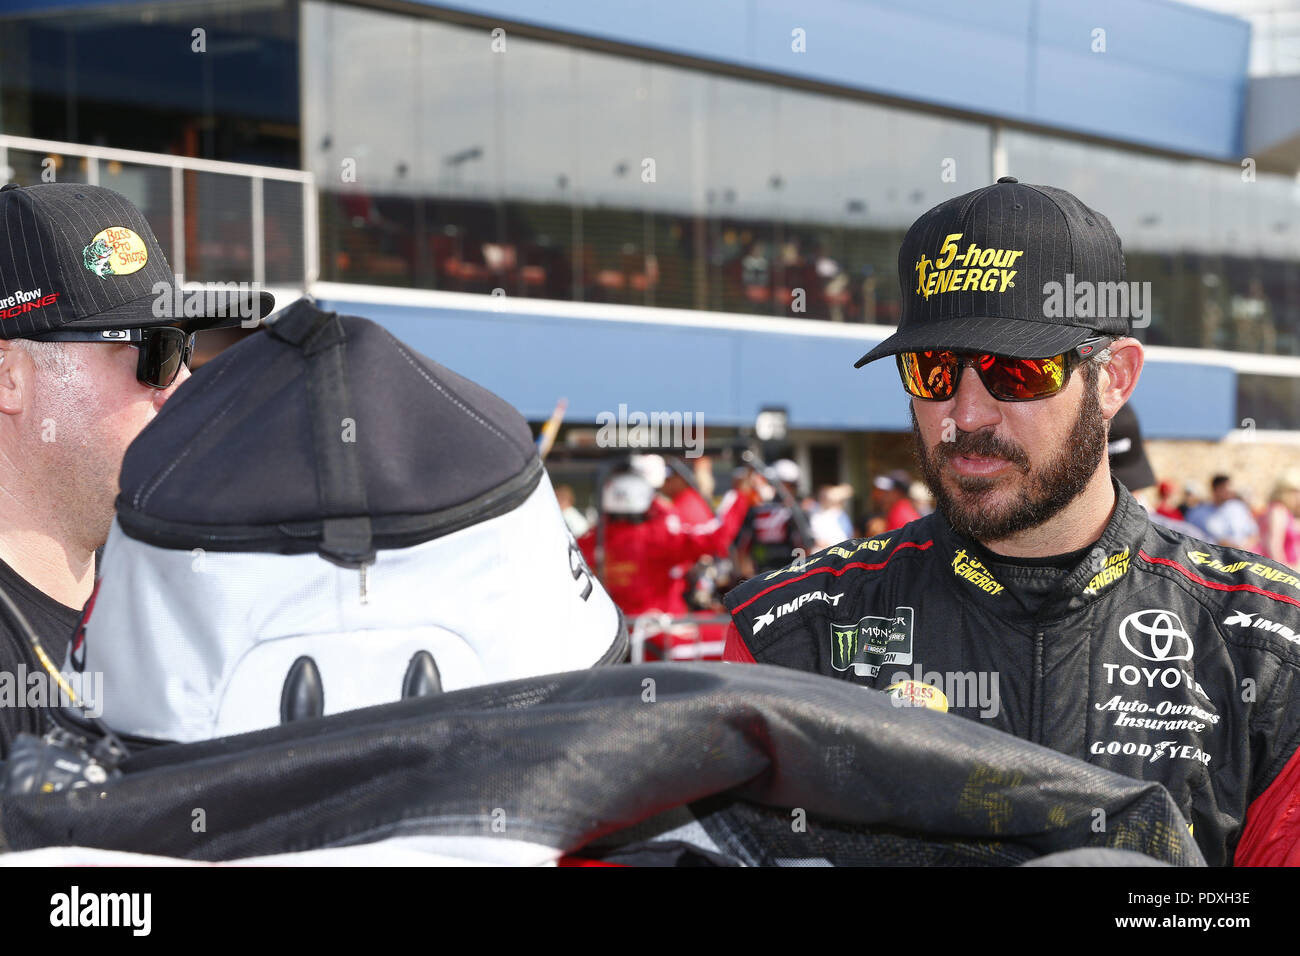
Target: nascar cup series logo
(968,270)
(115,251)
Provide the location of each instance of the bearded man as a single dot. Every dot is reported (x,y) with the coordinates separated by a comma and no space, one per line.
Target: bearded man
(1038,596)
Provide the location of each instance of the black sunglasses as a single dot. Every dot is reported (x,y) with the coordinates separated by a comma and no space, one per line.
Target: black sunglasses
(163,349)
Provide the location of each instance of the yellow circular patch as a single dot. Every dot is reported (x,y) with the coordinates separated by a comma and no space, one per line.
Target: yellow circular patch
(127,251)
(914,693)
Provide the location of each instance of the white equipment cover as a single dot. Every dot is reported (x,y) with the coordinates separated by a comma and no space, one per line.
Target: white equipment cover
(197,644)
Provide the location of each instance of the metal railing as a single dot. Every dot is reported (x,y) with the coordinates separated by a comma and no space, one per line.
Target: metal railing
(676,638)
(216,221)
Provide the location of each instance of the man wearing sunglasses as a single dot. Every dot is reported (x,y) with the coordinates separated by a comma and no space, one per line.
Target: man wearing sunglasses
(86,362)
(1038,596)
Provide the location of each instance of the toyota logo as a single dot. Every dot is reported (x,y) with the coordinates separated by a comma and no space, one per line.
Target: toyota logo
(1155,635)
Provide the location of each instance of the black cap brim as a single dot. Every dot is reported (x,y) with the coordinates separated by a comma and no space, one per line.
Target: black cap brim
(1018,338)
(230,310)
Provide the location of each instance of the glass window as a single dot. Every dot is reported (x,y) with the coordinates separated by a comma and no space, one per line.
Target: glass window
(135,76)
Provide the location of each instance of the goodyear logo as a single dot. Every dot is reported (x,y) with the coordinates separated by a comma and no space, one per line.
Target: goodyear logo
(1114,568)
(972,570)
(955,270)
(115,251)
(872,642)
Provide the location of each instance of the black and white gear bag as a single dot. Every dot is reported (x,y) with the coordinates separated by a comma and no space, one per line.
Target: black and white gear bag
(320,520)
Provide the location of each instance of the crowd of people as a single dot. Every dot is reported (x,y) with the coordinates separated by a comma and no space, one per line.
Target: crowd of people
(1223,516)
(667,551)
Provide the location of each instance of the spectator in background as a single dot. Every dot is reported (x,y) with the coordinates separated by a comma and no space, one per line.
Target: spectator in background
(1280,528)
(891,496)
(1129,464)
(1231,524)
(830,522)
(577,522)
(644,541)
(1196,508)
(1165,502)
(688,503)
(775,532)
(921,498)
(739,476)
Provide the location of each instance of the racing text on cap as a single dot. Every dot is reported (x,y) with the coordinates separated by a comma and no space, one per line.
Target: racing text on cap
(988,270)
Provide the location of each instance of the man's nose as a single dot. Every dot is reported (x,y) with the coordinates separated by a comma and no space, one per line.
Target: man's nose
(161,395)
(973,407)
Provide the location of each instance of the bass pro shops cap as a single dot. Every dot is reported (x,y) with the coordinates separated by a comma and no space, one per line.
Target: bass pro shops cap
(974,269)
(74,256)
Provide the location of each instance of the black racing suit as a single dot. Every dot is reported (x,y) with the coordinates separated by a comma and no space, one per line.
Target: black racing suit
(1155,655)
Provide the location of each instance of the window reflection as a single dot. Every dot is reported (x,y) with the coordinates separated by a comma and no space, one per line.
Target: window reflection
(556,172)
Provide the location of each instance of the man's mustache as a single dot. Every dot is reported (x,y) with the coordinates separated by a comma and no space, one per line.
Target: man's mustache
(982,444)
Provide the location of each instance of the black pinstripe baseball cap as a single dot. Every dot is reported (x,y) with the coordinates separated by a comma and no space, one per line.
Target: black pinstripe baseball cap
(975,272)
(83,257)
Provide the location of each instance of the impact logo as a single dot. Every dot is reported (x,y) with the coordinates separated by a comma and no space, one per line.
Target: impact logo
(780,610)
(970,569)
(115,251)
(985,270)
(871,642)
(1156,636)
(1243,619)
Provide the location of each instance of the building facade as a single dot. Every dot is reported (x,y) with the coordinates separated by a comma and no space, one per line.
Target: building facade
(691,206)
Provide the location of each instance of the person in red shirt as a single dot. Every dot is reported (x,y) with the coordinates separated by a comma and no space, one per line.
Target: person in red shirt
(645,539)
(688,503)
(1166,506)
(891,496)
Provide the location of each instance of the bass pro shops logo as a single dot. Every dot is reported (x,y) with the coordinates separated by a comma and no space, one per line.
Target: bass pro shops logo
(985,270)
(115,251)
(872,642)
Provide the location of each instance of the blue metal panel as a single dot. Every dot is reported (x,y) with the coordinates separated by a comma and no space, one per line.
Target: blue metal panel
(1173,75)
(724,374)
(1183,400)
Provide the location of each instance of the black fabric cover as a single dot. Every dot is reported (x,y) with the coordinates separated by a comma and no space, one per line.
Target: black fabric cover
(323,417)
(588,762)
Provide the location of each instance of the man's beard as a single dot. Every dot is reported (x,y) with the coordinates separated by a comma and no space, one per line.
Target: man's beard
(1044,493)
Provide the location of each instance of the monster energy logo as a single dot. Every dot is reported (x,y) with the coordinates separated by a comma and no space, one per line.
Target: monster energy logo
(871,642)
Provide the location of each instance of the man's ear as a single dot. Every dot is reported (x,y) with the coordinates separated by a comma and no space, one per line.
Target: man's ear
(17,373)
(1121,375)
